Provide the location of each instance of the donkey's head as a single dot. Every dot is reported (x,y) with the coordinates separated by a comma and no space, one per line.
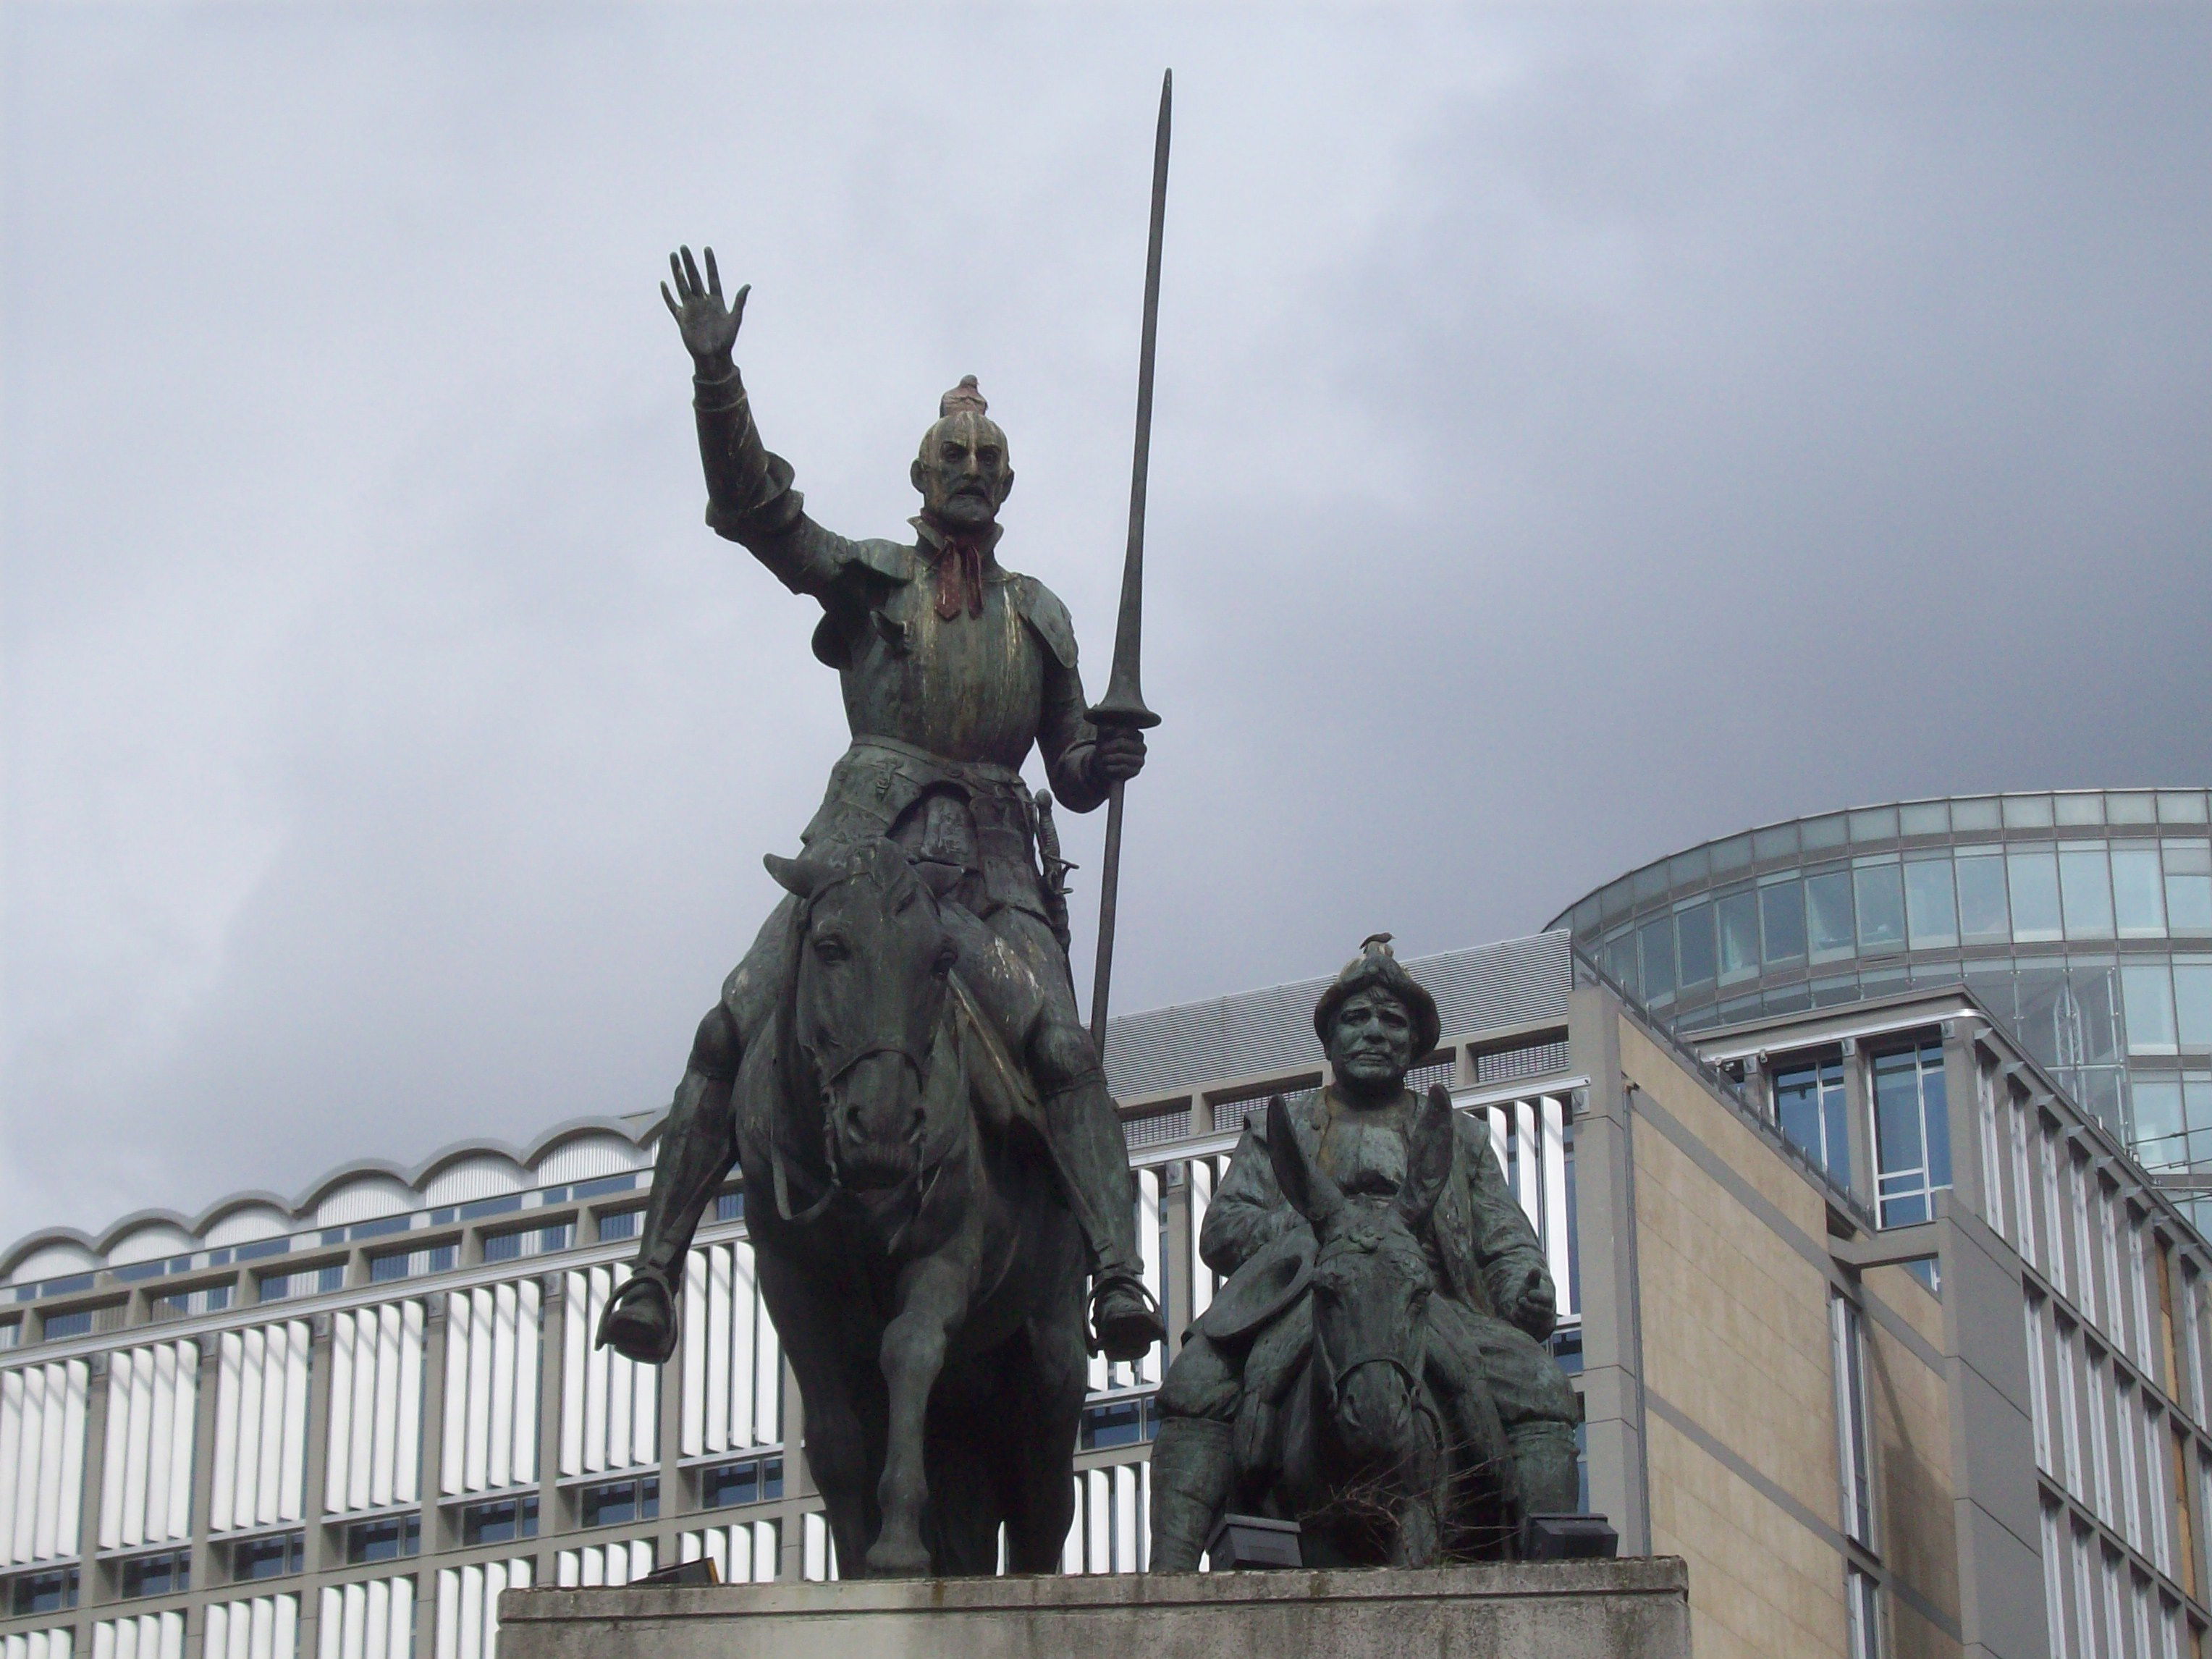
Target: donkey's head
(873,959)
(1371,1283)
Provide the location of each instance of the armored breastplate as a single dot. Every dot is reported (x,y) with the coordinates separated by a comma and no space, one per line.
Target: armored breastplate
(968,689)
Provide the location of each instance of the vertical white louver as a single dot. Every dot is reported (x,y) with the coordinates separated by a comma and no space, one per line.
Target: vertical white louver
(604,1564)
(146,1478)
(817,1550)
(1151,1183)
(1530,1138)
(260,1427)
(468,1606)
(375,1455)
(491,1387)
(39,1644)
(372,1620)
(264,1627)
(747,1553)
(150,1636)
(1112,1531)
(1205,1175)
(609,1406)
(733,1363)
(42,1433)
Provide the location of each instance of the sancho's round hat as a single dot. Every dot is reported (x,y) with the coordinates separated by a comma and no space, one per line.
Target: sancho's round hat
(1376,969)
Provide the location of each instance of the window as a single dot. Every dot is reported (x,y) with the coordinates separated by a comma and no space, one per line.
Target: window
(2192,1002)
(730,1206)
(741,1483)
(1865,1595)
(1931,913)
(1809,1109)
(1984,917)
(42,1592)
(1828,913)
(1880,895)
(2160,1139)
(1913,1132)
(2086,884)
(499,1524)
(2138,897)
(528,1240)
(410,1264)
(2189,886)
(276,1287)
(2147,988)
(1738,924)
(1657,942)
(54,1326)
(169,1573)
(1120,1423)
(2033,879)
(1695,928)
(619,1501)
(622,1224)
(1782,918)
(268,1557)
(1854,1448)
(384,1541)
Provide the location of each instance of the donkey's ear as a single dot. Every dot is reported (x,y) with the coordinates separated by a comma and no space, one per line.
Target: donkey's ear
(1428,1159)
(794,876)
(1308,1187)
(939,879)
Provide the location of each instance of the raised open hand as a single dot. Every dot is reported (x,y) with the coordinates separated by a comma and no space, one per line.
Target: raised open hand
(710,328)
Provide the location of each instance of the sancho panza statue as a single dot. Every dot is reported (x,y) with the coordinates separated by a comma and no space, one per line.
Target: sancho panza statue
(1374,1366)
(953,668)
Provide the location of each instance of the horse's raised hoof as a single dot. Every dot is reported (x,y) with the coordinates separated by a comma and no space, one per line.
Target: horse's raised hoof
(887,1560)
(1126,1322)
(640,1321)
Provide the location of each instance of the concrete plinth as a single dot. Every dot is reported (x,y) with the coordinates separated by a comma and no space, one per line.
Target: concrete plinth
(1635,1609)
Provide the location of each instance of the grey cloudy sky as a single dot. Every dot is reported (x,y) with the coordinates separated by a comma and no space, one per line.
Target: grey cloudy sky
(1581,432)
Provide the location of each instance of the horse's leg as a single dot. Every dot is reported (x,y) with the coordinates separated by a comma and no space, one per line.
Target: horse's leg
(1040,1482)
(932,1294)
(806,1320)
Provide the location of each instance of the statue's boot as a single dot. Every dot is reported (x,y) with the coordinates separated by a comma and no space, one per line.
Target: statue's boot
(1544,1458)
(1190,1485)
(1094,1163)
(697,1146)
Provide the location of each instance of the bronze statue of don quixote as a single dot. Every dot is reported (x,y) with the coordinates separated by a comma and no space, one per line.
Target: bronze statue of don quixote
(937,1181)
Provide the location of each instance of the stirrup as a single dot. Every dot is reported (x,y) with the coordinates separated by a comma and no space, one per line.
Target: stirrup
(1148,1303)
(635,1284)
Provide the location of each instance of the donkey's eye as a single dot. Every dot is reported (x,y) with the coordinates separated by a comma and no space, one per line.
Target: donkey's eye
(830,948)
(946,956)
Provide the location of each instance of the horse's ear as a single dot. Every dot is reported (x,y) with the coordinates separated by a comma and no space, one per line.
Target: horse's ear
(1308,1187)
(794,876)
(1428,1159)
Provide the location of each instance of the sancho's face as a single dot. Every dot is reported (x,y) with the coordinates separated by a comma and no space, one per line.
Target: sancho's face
(1371,1044)
(963,472)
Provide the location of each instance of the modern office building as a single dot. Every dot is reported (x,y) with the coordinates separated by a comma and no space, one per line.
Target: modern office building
(1937,1385)
(2082,919)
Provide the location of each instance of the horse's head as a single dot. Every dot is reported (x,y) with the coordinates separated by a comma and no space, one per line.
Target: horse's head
(873,959)
(1371,1282)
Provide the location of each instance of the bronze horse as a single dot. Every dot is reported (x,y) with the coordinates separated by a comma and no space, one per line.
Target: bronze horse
(926,1278)
(1368,1466)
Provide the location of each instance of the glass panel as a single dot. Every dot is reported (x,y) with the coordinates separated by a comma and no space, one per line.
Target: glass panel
(1658,939)
(1650,882)
(1880,890)
(1828,913)
(1927,818)
(1780,841)
(1984,916)
(2149,993)
(2197,1106)
(1822,832)
(2192,1003)
(2181,806)
(1686,867)
(1875,823)
(1738,924)
(2027,812)
(2138,896)
(1620,962)
(2034,883)
(2189,886)
(1734,854)
(1974,814)
(2046,1021)
(1912,1135)
(1782,917)
(2087,885)
(1808,1107)
(1929,905)
(2096,992)
(2160,1139)
(2132,808)
(2078,809)
(1694,929)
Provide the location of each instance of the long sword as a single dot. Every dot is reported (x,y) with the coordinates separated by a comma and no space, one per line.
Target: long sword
(1124,703)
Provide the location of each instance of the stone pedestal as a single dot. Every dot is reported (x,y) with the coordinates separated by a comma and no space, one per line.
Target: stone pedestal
(1634,1609)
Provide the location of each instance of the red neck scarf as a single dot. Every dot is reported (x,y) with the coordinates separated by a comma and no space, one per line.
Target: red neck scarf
(959,566)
